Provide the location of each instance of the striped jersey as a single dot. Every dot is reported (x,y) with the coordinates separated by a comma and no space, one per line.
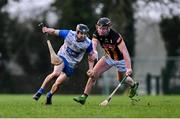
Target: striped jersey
(110,45)
(73,50)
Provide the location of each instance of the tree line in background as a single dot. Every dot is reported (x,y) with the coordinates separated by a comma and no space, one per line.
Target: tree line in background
(171,35)
(24,56)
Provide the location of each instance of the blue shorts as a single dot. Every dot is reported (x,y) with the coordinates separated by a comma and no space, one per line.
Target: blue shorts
(67,69)
(120,65)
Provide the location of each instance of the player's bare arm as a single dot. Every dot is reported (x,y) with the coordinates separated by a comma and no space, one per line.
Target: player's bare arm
(51,31)
(122,47)
(93,57)
(94,43)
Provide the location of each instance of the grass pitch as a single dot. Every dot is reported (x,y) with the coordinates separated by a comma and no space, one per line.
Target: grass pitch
(18,106)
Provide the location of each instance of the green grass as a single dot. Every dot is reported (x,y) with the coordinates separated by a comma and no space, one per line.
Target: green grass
(63,106)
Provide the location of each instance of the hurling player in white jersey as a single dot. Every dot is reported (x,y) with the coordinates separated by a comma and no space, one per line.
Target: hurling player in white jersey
(76,43)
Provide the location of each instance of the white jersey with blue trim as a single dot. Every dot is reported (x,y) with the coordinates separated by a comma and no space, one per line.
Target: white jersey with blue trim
(73,50)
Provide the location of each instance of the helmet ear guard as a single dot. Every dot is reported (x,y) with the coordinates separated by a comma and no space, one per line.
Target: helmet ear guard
(82,28)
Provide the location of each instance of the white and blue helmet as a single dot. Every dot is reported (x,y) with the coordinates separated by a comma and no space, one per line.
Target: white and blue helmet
(82,28)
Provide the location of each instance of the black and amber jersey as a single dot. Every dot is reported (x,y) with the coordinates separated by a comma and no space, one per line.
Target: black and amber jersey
(110,44)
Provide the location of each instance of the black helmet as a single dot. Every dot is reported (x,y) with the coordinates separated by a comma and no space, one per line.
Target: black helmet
(82,28)
(104,21)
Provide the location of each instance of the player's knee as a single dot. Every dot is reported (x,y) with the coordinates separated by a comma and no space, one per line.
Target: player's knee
(55,74)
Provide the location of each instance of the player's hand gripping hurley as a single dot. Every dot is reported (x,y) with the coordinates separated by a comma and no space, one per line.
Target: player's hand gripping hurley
(106,101)
(55,60)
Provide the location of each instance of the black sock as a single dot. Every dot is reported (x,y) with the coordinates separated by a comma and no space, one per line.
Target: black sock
(86,95)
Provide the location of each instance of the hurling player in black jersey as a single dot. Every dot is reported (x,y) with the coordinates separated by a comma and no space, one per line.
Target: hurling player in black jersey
(116,54)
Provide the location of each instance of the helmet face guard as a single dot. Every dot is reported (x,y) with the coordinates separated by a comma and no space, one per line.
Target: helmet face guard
(82,31)
(82,28)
